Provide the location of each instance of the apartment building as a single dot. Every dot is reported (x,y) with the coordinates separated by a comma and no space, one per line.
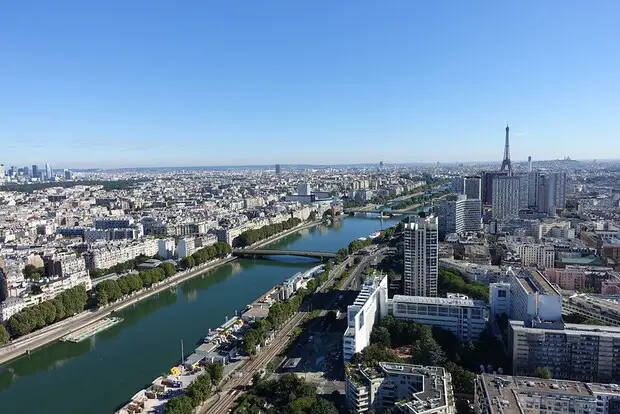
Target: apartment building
(112,253)
(10,306)
(369,307)
(112,223)
(539,255)
(503,394)
(600,308)
(459,214)
(569,351)
(530,296)
(166,248)
(464,317)
(413,389)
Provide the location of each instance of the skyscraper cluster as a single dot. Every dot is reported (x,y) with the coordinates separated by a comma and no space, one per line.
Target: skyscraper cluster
(508,192)
(33,173)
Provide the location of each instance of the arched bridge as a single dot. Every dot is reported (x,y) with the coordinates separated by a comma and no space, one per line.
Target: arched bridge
(266,252)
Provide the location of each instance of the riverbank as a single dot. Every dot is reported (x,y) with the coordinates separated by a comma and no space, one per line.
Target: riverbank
(52,333)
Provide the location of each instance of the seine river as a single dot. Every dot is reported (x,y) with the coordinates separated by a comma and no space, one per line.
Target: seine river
(101,373)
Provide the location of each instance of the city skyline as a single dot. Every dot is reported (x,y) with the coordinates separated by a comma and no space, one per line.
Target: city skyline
(279,82)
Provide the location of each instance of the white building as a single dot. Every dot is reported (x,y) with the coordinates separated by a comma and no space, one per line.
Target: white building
(166,248)
(459,214)
(505,197)
(464,317)
(369,307)
(185,247)
(539,255)
(421,257)
(531,297)
(414,389)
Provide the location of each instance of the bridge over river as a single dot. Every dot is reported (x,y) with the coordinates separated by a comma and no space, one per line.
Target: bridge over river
(267,252)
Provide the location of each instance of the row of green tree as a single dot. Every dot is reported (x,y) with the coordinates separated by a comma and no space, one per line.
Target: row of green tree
(287,395)
(110,291)
(451,281)
(107,185)
(206,254)
(68,303)
(197,392)
(249,237)
(436,346)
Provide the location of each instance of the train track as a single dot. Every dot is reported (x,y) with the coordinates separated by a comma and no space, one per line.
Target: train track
(272,350)
(235,388)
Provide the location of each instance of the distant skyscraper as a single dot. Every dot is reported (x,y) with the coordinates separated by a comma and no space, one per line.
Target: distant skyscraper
(523,190)
(421,257)
(48,171)
(381,165)
(35,171)
(459,214)
(487,187)
(551,192)
(532,189)
(303,189)
(458,185)
(1,173)
(278,169)
(505,204)
(470,186)
(473,187)
(68,175)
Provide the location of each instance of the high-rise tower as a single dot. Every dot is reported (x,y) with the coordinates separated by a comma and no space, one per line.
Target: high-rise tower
(506,162)
(421,257)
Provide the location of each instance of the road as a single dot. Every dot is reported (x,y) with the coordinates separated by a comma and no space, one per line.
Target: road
(229,393)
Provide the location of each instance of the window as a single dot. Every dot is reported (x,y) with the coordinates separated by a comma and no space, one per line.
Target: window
(501,293)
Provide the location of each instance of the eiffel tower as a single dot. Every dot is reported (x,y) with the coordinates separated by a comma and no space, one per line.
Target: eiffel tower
(506,162)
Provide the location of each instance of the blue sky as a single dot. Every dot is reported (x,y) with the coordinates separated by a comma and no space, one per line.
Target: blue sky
(168,83)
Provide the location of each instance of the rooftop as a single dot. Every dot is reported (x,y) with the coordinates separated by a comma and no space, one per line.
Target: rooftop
(508,394)
(453,301)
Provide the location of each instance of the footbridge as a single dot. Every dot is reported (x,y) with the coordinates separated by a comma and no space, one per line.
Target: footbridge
(267,252)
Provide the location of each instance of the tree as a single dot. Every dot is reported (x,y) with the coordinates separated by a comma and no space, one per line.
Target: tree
(179,405)
(372,355)
(4,335)
(380,336)
(188,262)
(322,406)
(35,276)
(168,268)
(216,371)
(543,372)
(36,289)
